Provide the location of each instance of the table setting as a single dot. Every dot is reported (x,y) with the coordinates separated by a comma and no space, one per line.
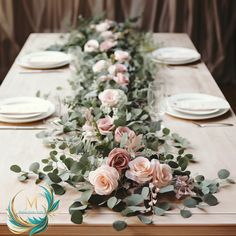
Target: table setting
(122,149)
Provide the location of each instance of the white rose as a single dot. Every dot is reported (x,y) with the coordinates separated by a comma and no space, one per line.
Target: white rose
(107,34)
(91,46)
(103,26)
(100,66)
(121,56)
(112,97)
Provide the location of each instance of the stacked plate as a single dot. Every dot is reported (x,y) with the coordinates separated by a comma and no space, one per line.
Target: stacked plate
(175,55)
(25,109)
(44,60)
(196,106)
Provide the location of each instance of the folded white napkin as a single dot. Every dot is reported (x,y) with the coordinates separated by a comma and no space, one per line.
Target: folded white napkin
(23,108)
(201,104)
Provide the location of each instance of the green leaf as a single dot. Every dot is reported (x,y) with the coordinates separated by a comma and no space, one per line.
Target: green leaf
(77,217)
(223,174)
(119,225)
(199,178)
(185,213)
(190,202)
(166,131)
(48,168)
(145,192)
(22,178)
(210,199)
(145,220)
(85,196)
(112,202)
(173,164)
(34,167)
(164,205)
(58,189)
(15,168)
(123,140)
(134,199)
(169,188)
(54,178)
(159,211)
(231,181)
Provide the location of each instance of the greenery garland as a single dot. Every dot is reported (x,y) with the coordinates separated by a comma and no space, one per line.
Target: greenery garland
(109,149)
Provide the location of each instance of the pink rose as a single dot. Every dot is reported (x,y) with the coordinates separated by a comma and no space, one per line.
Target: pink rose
(134,143)
(119,159)
(108,44)
(140,170)
(110,97)
(105,125)
(121,130)
(105,77)
(99,66)
(104,179)
(91,46)
(121,56)
(121,79)
(162,174)
(117,68)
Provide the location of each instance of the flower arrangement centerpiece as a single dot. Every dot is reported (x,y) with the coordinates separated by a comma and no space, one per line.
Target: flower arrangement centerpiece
(109,149)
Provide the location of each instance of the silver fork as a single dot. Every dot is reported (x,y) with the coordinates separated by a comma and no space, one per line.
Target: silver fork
(205,125)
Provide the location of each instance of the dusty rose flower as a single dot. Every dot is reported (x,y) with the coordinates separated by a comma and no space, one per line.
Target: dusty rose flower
(134,143)
(117,68)
(140,170)
(105,125)
(100,66)
(104,179)
(184,186)
(121,130)
(91,46)
(112,97)
(121,79)
(103,26)
(118,158)
(108,44)
(162,174)
(107,34)
(121,56)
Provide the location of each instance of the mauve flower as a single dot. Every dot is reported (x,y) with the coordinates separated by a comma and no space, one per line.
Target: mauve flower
(121,56)
(140,170)
(112,97)
(117,68)
(121,130)
(162,174)
(106,45)
(100,66)
(121,79)
(104,179)
(105,125)
(118,158)
(184,186)
(91,46)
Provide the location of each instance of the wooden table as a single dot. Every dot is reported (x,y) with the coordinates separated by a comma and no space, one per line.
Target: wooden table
(215,148)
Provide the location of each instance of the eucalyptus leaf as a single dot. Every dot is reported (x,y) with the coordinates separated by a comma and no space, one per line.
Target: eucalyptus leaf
(223,174)
(185,213)
(119,225)
(15,168)
(77,217)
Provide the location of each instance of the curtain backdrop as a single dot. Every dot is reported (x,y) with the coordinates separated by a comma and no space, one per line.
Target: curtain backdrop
(211,24)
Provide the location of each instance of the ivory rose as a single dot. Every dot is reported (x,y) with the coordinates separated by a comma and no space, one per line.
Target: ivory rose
(140,170)
(117,68)
(112,97)
(107,44)
(91,46)
(104,179)
(100,66)
(121,79)
(103,26)
(107,34)
(119,159)
(121,130)
(121,56)
(105,125)
(162,174)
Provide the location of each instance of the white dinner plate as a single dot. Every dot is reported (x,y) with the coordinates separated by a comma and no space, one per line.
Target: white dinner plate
(26,118)
(44,60)
(175,55)
(195,114)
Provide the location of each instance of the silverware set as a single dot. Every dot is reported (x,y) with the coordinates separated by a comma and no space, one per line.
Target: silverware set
(212,124)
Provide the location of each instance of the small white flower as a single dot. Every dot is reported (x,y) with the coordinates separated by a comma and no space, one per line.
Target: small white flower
(100,66)
(91,46)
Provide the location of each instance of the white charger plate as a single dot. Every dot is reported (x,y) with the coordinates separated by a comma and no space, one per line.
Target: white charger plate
(175,55)
(28,118)
(61,59)
(193,114)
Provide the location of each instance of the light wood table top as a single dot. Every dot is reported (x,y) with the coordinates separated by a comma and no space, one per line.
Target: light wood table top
(214,148)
